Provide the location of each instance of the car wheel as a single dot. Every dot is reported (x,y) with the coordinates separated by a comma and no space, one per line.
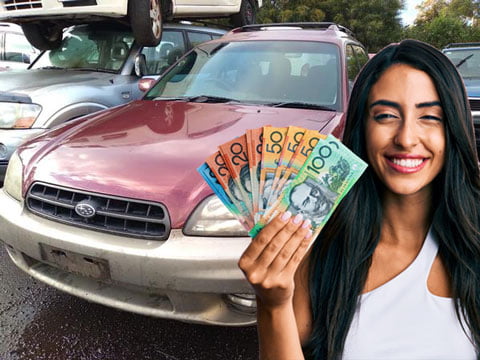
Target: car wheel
(247,14)
(43,36)
(146,21)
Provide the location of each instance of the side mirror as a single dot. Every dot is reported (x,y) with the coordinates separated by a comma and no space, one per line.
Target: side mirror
(140,65)
(146,83)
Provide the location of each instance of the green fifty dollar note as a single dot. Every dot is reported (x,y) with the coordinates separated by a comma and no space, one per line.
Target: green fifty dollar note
(327,175)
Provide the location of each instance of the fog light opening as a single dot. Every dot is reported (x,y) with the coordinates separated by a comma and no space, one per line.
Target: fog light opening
(244,303)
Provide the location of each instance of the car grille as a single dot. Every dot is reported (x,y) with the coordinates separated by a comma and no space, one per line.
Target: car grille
(22,4)
(116,215)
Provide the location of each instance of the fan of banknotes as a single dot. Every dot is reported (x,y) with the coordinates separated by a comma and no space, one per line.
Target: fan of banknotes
(275,169)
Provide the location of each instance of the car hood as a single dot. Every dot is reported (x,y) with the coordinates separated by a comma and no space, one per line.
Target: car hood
(29,81)
(150,150)
(473,87)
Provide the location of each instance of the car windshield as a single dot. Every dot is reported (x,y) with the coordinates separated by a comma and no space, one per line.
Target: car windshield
(86,47)
(275,73)
(467,61)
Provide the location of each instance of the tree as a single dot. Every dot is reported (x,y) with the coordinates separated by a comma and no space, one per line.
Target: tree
(441,22)
(374,22)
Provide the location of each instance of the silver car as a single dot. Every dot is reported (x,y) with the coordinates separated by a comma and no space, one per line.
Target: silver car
(93,70)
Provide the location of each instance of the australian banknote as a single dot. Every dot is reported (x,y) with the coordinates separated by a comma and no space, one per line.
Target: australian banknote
(293,138)
(217,164)
(212,181)
(273,140)
(234,153)
(324,179)
(254,152)
(308,141)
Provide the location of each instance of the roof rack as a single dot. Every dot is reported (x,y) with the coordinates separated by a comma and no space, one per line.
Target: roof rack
(452,45)
(303,25)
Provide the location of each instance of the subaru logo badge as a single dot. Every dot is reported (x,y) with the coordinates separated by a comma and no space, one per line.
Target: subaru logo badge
(85,209)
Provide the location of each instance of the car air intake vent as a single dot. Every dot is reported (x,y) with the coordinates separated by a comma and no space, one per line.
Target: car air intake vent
(474,104)
(127,217)
(22,4)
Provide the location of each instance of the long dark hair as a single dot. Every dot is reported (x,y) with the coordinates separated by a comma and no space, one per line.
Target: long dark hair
(342,254)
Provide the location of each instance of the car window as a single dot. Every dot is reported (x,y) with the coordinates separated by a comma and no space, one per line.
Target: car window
(18,49)
(353,67)
(360,55)
(467,61)
(89,48)
(258,72)
(171,47)
(197,38)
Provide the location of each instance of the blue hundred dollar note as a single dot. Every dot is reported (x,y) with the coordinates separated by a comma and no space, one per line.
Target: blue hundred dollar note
(327,175)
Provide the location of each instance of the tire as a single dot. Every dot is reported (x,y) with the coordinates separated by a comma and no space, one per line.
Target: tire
(247,14)
(43,36)
(146,21)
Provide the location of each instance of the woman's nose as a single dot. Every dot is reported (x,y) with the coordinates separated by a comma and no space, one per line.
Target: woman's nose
(407,135)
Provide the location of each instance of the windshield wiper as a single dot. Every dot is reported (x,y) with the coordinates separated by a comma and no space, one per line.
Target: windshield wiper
(461,62)
(300,105)
(197,99)
(51,68)
(209,99)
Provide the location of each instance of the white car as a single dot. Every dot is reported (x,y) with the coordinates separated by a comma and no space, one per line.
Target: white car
(43,20)
(15,51)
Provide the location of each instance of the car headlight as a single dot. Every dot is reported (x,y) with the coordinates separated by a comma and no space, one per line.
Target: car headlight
(212,218)
(14,176)
(18,115)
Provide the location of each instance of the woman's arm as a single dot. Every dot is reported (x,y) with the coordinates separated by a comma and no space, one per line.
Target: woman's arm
(270,263)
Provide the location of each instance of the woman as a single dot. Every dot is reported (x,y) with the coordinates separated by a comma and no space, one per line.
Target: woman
(395,273)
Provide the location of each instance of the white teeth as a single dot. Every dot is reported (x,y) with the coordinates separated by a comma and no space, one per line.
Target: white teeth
(408,163)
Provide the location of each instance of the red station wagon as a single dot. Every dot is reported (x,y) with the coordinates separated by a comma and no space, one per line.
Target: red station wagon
(155,240)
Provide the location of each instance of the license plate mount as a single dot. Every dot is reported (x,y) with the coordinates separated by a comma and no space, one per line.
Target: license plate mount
(70,261)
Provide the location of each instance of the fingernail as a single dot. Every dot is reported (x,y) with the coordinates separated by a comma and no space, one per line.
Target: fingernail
(306,223)
(297,219)
(308,235)
(286,215)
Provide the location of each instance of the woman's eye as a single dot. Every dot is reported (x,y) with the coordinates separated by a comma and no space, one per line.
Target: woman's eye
(384,117)
(431,117)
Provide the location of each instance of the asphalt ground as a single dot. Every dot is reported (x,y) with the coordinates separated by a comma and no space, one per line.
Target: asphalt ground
(38,322)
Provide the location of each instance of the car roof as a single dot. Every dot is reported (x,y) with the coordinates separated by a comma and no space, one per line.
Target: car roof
(4,26)
(325,32)
(110,25)
(189,26)
(461,46)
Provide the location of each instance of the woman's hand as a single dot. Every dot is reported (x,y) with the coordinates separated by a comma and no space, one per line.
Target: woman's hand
(272,258)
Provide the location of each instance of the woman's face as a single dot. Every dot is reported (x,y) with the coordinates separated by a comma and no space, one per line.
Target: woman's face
(405,133)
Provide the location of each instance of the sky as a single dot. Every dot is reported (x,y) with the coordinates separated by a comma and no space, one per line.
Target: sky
(410,13)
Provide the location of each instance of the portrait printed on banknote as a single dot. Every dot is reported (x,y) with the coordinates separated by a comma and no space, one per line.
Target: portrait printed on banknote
(311,199)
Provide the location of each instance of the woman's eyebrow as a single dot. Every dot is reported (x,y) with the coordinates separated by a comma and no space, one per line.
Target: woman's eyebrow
(428,104)
(397,105)
(386,103)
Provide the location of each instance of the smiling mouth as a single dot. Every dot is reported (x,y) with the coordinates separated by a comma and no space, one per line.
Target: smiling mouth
(406,165)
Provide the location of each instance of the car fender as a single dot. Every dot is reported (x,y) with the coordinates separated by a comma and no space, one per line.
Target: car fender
(73,111)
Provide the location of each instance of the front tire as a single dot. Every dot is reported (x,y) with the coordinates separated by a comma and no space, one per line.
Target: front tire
(43,35)
(146,21)
(247,14)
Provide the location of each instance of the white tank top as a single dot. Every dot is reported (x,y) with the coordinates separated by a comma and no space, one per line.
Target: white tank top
(403,320)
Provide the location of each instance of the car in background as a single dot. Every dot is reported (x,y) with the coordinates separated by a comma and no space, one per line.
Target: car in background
(43,20)
(466,57)
(155,240)
(15,50)
(94,69)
